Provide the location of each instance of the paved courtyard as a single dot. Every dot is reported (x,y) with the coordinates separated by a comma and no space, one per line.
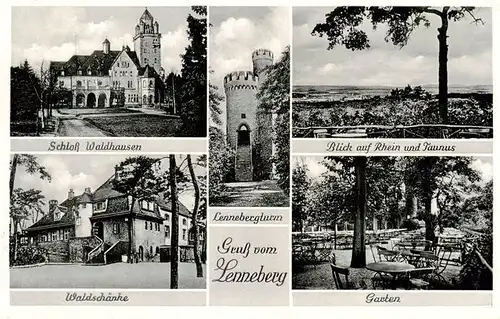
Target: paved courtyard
(119,275)
(252,194)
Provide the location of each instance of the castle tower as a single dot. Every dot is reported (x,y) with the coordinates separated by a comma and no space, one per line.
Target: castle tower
(241,124)
(106,46)
(262,59)
(147,44)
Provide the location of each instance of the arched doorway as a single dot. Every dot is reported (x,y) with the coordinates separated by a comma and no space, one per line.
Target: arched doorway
(144,99)
(150,100)
(91,100)
(151,251)
(80,100)
(243,135)
(98,230)
(102,100)
(157,250)
(141,253)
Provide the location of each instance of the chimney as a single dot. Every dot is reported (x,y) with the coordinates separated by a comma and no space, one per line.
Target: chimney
(53,204)
(117,172)
(88,191)
(71,194)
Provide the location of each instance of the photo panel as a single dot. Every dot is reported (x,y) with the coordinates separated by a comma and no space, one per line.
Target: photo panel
(105,227)
(392,72)
(109,72)
(392,223)
(249,106)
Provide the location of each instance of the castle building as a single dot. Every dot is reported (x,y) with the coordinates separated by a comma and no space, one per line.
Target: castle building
(113,78)
(248,128)
(93,227)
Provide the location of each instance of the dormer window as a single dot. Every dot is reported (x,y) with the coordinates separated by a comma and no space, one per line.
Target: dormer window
(57,216)
(79,72)
(100,206)
(89,72)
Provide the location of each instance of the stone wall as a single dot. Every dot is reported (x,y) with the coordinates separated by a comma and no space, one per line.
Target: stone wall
(80,247)
(56,251)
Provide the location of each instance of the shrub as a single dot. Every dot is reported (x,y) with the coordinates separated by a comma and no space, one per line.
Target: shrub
(28,255)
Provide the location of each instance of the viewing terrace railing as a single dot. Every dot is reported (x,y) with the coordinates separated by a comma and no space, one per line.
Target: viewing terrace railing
(395,131)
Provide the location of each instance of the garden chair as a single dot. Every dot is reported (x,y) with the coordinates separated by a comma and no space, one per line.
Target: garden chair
(337,272)
(382,253)
(418,277)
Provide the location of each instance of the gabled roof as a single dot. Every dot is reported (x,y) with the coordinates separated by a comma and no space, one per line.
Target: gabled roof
(106,191)
(48,221)
(166,204)
(80,199)
(98,63)
(148,72)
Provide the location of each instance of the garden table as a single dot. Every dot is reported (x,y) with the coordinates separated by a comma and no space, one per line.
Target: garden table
(393,268)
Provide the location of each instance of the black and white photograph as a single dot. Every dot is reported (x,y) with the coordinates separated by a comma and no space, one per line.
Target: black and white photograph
(109,71)
(392,223)
(249,106)
(392,72)
(108,221)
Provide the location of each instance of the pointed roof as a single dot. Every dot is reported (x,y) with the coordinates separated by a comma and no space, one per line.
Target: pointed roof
(106,41)
(148,72)
(147,16)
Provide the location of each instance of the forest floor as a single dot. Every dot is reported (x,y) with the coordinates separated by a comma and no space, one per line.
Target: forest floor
(151,275)
(252,194)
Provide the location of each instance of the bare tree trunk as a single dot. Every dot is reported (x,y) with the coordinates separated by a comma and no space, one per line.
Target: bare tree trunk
(358,259)
(15,239)
(130,225)
(174,262)
(443,68)
(13,168)
(196,250)
(430,222)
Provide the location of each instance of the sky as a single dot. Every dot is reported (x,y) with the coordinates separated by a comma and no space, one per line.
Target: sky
(482,164)
(48,33)
(80,171)
(237,31)
(470,54)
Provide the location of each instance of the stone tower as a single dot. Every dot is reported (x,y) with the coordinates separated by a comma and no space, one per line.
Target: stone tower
(262,59)
(147,44)
(244,126)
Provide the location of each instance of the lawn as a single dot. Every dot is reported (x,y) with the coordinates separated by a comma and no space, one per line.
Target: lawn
(146,125)
(96,111)
(118,275)
(251,194)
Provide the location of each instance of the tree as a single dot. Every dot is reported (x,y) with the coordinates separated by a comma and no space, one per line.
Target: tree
(174,262)
(301,185)
(173,85)
(274,98)
(23,204)
(137,179)
(214,104)
(197,192)
(29,162)
(194,75)
(342,27)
